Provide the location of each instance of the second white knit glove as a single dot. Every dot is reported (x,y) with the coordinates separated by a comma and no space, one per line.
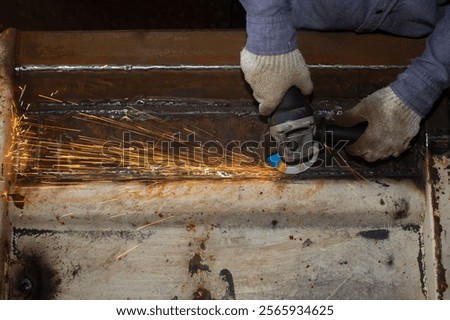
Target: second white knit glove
(391,125)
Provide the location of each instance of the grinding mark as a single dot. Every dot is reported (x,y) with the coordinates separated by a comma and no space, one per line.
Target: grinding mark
(340,285)
(118,215)
(120,256)
(153,223)
(67,215)
(120,197)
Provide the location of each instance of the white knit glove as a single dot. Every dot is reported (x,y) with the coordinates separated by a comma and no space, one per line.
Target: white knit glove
(391,125)
(271,76)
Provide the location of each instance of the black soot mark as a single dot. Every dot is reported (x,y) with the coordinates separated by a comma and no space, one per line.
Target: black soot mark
(195,265)
(377,234)
(36,280)
(228,278)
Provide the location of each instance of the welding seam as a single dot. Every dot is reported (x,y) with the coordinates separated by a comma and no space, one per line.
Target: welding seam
(69,68)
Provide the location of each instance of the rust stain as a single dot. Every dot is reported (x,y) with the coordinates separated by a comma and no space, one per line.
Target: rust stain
(281,187)
(442,284)
(435,179)
(60,220)
(441,161)
(191,227)
(202,294)
(316,188)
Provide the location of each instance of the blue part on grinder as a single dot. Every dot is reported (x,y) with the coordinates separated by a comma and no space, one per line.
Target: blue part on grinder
(274,160)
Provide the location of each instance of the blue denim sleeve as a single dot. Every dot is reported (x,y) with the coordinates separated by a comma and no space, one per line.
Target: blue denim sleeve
(270,29)
(427,76)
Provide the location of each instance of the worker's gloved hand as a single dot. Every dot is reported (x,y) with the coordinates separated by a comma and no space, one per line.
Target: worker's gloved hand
(271,76)
(391,125)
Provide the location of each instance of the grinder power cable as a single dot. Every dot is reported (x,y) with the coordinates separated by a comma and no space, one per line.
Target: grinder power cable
(293,127)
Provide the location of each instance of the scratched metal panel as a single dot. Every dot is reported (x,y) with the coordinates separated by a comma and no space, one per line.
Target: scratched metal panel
(311,239)
(184,263)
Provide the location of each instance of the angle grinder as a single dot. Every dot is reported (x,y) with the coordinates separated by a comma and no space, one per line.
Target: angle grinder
(298,137)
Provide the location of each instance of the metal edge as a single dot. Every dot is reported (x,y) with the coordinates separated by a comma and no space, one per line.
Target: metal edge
(435,281)
(8,39)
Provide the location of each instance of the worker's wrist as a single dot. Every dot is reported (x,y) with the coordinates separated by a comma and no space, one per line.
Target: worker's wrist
(403,112)
(270,36)
(280,64)
(415,92)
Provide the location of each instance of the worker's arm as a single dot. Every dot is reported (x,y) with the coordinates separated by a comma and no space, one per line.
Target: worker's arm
(270,60)
(394,113)
(270,30)
(427,76)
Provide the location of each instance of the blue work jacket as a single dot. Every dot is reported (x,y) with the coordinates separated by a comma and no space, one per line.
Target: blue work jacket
(272,25)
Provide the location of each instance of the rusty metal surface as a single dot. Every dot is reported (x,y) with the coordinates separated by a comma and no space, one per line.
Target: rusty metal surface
(336,232)
(196,123)
(304,203)
(116,71)
(279,240)
(188,64)
(438,224)
(86,85)
(173,263)
(201,48)
(219,83)
(7,50)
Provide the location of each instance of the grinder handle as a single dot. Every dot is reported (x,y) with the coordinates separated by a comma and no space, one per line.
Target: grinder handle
(335,133)
(293,99)
(293,106)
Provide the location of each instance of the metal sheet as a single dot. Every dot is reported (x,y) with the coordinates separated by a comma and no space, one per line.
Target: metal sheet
(311,239)
(184,262)
(334,233)
(204,48)
(189,64)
